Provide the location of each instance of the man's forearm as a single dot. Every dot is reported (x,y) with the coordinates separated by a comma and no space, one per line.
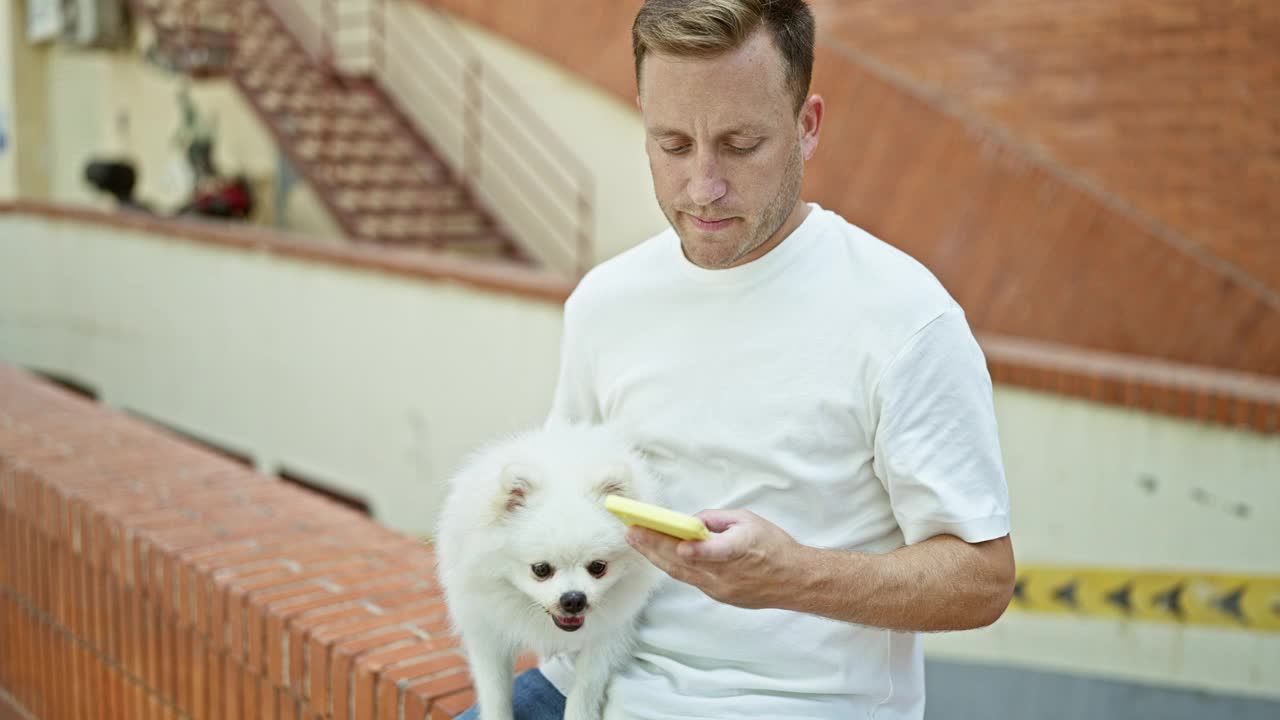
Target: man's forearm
(940,584)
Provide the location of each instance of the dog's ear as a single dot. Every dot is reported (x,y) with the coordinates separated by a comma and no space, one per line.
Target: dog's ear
(515,486)
(616,480)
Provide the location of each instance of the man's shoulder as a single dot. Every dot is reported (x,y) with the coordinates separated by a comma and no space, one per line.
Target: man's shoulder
(886,278)
(621,274)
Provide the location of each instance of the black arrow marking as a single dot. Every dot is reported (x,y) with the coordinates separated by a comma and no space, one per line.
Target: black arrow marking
(1230,603)
(1170,600)
(1122,598)
(1020,590)
(1067,593)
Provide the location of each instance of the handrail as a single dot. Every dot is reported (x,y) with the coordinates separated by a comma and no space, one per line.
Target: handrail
(495,123)
(546,136)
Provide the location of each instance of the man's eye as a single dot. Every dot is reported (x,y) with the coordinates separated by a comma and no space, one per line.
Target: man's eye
(743,150)
(677,150)
(541,570)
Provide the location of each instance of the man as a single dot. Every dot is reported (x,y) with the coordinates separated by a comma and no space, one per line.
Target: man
(814,391)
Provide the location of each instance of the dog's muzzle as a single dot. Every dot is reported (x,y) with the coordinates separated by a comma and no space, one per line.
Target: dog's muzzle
(569,623)
(573,604)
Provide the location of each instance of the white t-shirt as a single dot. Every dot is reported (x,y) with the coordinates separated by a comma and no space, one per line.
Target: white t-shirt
(834,388)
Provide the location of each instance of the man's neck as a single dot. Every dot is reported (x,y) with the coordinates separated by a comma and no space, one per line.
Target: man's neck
(797,215)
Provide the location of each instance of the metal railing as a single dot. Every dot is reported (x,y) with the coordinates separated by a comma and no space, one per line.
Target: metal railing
(502,148)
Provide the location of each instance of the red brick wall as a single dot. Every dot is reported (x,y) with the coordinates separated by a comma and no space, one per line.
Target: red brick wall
(1101,174)
(1172,106)
(144,578)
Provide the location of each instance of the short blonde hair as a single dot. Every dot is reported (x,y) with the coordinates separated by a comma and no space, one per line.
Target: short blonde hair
(706,28)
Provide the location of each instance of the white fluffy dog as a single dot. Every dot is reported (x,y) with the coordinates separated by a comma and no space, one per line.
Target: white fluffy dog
(531,560)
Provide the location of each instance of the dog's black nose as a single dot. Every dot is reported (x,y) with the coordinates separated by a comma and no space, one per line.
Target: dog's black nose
(573,602)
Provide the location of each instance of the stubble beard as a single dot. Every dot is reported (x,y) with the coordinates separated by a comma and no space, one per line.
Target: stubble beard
(720,255)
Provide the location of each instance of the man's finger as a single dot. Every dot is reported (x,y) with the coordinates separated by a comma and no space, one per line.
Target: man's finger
(651,552)
(655,546)
(721,547)
(717,521)
(662,551)
(644,537)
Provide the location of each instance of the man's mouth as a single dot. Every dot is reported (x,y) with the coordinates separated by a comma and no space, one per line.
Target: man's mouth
(568,623)
(710,224)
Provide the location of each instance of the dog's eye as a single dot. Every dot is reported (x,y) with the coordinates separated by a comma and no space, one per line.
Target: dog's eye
(598,568)
(541,570)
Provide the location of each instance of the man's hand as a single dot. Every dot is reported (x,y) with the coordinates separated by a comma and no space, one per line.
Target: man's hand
(942,583)
(745,562)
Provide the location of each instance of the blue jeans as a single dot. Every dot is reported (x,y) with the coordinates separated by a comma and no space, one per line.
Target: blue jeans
(532,698)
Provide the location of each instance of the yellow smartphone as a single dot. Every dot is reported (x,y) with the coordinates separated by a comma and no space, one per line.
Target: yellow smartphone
(669,522)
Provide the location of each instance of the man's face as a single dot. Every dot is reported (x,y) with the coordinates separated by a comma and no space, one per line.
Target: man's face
(727,149)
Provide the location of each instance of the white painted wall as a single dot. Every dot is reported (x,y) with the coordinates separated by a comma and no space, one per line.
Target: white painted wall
(380,384)
(8,103)
(1075,470)
(374,383)
(32,158)
(1078,467)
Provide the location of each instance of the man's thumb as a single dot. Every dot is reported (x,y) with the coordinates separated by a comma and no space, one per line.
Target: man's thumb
(717,521)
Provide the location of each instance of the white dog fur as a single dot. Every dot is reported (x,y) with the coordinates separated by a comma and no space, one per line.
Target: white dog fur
(519,508)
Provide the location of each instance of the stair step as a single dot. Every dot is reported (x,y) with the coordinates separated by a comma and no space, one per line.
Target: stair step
(335,125)
(425,200)
(400,226)
(352,150)
(368,162)
(480,243)
(382,175)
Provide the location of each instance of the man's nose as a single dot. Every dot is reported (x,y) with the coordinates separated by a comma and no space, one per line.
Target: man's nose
(707,184)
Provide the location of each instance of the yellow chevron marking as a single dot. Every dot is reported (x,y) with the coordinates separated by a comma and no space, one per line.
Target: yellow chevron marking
(1248,602)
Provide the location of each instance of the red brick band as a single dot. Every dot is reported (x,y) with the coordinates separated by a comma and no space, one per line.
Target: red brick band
(144,577)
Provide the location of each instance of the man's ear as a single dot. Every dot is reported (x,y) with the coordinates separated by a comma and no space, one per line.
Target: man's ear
(615,480)
(514,488)
(811,124)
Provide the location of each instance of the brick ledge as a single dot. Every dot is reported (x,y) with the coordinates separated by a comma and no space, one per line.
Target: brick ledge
(144,574)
